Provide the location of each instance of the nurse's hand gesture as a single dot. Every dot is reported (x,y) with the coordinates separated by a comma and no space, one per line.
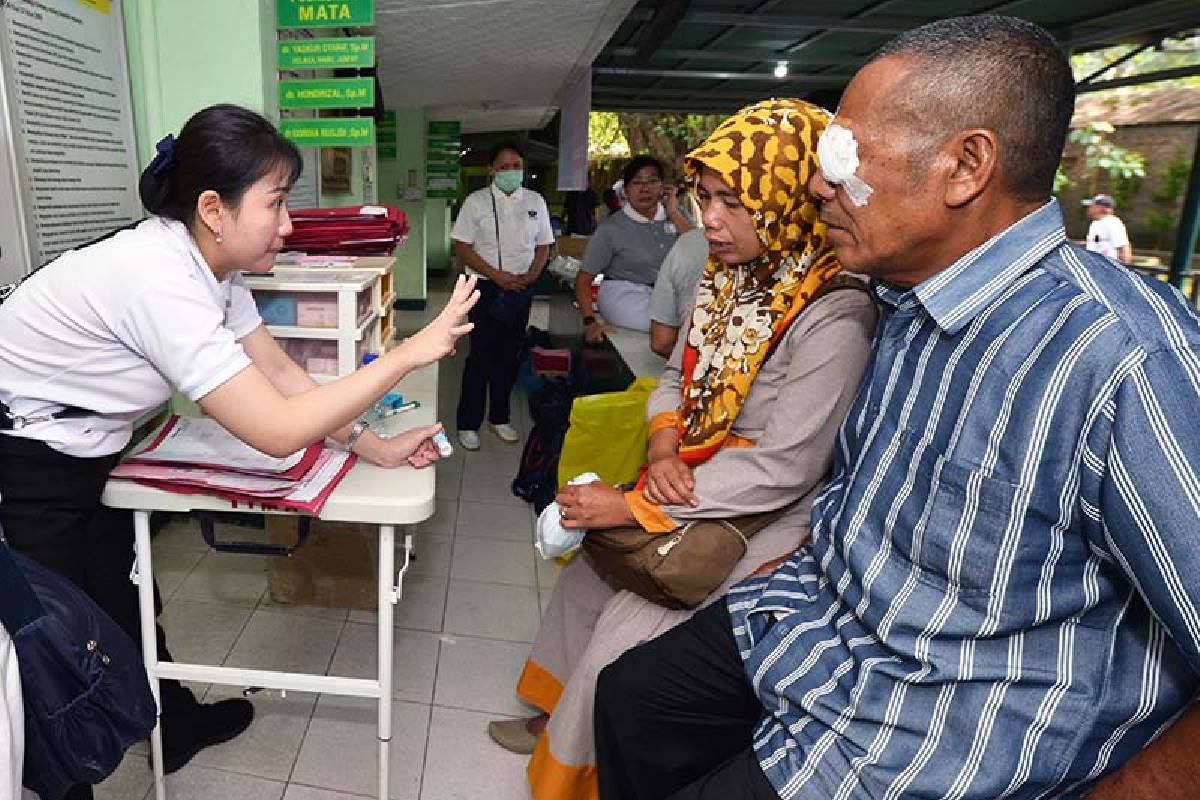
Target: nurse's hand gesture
(436,340)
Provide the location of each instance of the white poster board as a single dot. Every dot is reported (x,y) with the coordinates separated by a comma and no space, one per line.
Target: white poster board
(66,130)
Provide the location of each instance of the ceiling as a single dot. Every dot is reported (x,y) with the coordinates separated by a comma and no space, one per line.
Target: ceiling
(495,65)
(717,55)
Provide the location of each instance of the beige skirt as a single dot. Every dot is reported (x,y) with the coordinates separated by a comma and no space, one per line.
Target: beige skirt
(587,626)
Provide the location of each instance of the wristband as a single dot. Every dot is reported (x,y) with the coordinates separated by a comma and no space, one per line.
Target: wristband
(589,320)
(359,428)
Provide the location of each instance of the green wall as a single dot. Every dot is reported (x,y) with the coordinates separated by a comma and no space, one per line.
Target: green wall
(184,56)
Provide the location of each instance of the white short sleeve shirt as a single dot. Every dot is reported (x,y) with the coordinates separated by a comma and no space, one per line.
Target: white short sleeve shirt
(524,224)
(12,721)
(116,328)
(1107,236)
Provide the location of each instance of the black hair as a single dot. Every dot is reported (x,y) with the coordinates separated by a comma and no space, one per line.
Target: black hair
(638,163)
(505,145)
(224,148)
(1001,73)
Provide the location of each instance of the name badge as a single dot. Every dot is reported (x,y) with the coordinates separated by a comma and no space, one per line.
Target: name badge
(669,227)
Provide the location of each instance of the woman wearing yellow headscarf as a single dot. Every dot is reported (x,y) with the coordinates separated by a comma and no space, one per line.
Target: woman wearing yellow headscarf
(742,422)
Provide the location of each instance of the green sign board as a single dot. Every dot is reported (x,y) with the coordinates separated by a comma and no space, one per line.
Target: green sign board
(385,136)
(443,143)
(324,13)
(327,93)
(358,51)
(344,132)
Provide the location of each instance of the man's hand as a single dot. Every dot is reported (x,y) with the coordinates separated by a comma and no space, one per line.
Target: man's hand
(595,333)
(593,505)
(669,482)
(509,282)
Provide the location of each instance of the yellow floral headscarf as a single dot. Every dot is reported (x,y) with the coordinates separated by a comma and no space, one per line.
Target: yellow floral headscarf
(766,152)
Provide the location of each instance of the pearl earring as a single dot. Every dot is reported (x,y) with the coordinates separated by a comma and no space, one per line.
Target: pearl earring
(219,238)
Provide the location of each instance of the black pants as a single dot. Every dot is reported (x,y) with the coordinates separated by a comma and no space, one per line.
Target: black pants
(50,509)
(491,368)
(674,718)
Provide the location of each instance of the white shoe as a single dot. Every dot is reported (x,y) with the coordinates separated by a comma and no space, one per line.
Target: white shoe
(469,439)
(506,432)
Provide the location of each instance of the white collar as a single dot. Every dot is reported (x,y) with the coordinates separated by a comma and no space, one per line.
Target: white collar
(501,195)
(183,238)
(659,215)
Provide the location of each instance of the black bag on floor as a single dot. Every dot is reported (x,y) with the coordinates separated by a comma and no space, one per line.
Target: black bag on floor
(550,408)
(87,698)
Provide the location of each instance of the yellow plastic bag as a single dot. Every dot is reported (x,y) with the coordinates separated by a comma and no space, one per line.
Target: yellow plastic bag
(607,434)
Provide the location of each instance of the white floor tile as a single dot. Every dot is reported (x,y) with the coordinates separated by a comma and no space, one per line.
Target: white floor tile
(341,750)
(200,783)
(202,633)
(286,642)
(489,520)
(421,608)
(172,565)
(492,489)
(301,609)
(493,561)
(458,738)
(492,610)
(433,555)
(414,660)
(181,532)
(130,781)
(227,578)
(480,674)
(297,792)
(269,746)
(491,460)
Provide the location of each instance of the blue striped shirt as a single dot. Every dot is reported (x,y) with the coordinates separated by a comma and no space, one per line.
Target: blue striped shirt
(1001,597)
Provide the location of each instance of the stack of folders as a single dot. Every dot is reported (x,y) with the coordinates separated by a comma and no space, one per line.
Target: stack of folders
(349,231)
(194,455)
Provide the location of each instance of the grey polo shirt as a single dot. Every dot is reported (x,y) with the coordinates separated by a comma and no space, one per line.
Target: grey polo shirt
(674,292)
(624,249)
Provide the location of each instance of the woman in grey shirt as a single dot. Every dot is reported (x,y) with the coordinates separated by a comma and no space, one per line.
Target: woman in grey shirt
(627,249)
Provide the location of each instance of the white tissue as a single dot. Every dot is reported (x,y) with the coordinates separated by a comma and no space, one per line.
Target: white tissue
(837,150)
(551,539)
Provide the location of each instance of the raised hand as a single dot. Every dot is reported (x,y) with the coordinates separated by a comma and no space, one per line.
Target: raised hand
(436,340)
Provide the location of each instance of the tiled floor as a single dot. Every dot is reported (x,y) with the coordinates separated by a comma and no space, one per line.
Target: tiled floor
(471,605)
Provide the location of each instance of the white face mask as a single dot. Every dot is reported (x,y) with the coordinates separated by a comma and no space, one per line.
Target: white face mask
(837,151)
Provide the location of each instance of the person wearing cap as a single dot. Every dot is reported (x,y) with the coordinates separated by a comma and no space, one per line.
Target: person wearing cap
(1106,235)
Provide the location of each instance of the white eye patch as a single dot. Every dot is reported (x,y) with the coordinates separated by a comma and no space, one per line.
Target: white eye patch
(837,150)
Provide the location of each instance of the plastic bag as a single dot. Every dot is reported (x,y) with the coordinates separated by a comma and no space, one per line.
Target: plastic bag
(607,434)
(551,539)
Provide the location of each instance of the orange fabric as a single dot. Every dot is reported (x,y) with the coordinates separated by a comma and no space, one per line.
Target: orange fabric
(551,780)
(733,440)
(649,515)
(538,687)
(667,419)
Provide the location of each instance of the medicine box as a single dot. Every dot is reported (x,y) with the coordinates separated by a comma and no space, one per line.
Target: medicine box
(276,308)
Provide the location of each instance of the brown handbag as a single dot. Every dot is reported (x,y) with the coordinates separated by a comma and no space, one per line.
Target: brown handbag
(676,569)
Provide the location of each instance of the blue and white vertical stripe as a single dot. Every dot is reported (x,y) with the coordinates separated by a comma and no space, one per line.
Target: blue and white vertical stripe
(1002,598)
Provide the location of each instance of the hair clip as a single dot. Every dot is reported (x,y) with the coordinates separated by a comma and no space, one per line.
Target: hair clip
(165,159)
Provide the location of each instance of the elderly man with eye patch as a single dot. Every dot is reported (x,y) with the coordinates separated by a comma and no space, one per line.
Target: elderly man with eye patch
(999,599)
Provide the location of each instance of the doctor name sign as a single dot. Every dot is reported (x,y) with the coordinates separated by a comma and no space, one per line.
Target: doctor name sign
(346,132)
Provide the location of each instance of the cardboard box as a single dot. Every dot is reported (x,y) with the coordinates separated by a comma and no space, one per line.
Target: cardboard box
(337,566)
(573,245)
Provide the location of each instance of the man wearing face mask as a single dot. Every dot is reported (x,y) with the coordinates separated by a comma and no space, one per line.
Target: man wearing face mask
(503,235)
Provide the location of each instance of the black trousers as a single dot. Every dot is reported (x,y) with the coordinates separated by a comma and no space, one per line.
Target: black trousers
(674,718)
(491,368)
(50,509)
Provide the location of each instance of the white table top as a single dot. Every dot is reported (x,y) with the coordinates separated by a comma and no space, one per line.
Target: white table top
(634,347)
(367,493)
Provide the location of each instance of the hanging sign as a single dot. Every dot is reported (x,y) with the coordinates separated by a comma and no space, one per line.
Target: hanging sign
(443,143)
(385,136)
(327,93)
(357,51)
(345,132)
(324,14)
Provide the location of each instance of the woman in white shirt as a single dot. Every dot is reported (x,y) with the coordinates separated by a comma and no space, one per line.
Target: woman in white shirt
(104,334)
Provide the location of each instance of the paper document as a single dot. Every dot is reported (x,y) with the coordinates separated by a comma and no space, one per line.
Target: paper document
(203,442)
